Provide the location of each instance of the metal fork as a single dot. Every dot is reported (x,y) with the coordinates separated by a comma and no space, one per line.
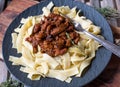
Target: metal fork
(108,45)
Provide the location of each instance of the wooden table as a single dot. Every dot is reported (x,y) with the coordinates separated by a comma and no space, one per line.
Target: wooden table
(110,76)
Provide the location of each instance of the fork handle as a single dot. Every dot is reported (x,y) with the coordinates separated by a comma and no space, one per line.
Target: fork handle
(108,45)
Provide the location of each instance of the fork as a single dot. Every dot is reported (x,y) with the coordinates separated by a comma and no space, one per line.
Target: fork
(107,44)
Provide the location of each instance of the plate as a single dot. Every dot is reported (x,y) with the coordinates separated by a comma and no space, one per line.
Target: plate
(97,66)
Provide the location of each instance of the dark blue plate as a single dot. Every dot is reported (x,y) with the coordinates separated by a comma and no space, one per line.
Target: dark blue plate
(98,64)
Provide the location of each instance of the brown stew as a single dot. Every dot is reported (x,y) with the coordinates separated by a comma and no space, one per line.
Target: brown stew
(55,34)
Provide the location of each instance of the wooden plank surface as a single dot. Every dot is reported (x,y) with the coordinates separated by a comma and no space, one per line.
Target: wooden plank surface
(95,3)
(118,4)
(110,77)
(3,71)
(2,2)
(108,3)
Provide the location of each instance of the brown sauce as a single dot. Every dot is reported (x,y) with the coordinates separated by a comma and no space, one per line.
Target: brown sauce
(54,35)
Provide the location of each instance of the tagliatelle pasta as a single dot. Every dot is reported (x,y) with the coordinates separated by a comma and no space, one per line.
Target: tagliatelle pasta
(61,67)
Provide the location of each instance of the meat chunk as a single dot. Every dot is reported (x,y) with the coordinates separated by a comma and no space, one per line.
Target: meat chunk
(36,28)
(68,43)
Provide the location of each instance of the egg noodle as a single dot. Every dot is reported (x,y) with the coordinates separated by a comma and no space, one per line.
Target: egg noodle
(62,67)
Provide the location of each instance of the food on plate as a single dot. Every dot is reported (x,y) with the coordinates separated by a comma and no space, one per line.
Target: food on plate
(51,34)
(50,45)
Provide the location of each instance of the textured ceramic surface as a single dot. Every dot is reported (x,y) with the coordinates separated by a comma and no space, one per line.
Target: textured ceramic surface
(99,63)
